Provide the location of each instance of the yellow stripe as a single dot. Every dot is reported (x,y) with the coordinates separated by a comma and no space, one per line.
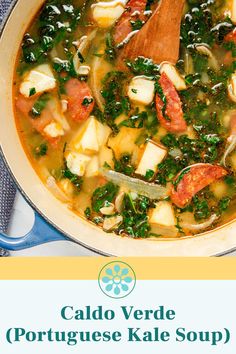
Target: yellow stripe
(87,268)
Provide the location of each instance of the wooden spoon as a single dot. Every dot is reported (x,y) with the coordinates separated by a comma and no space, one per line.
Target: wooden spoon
(158,39)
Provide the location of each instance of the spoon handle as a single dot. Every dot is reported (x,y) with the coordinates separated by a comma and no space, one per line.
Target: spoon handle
(158,39)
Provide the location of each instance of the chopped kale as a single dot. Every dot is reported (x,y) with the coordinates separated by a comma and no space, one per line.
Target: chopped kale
(102,195)
(162,96)
(149,4)
(196,26)
(143,66)
(137,120)
(32,91)
(206,148)
(201,208)
(65,66)
(64,71)
(170,141)
(204,204)
(87,101)
(181,176)
(81,58)
(221,30)
(97,220)
(88,212)
(39,105)
(124,165)
(200,62)
(110,52)
(135,219)
(146,120)
(40,150)
(115,100)
(178,226)
(230,181)
(136,24)
(75,180)
(224,204)
(168,169)
(54,25)
(149,175)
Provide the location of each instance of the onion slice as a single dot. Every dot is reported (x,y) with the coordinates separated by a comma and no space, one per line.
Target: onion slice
(230,147)
(99,68)
(203,49)
(52,185)
(150,190)
(202,226)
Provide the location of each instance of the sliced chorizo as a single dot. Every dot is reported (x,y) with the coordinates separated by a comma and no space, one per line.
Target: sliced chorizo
(25,105)
(134,11)
(231,37)
(193,179)
(169,106)
(80,100)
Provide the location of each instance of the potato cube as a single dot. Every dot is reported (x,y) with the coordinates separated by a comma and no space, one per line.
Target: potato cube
(163,214)
(38,80)
(141,90)
(173,75)
(107,13)
(153,155)
(77,163)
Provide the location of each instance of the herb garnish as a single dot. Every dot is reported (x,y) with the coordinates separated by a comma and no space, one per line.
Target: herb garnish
(115,100)
(181,176)
(143,66)
(135,219)
(123,165)
(73,178)
(88,212)
(81,58)
(55,24)
(40,150)
(87,101)
(137,24)
(103,194)
(39,105)
(32,91)
(110,51)
(162,96)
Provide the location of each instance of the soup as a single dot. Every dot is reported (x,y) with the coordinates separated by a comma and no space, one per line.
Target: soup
(139,148)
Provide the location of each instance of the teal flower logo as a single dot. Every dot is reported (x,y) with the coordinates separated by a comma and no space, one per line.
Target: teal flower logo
(117,279)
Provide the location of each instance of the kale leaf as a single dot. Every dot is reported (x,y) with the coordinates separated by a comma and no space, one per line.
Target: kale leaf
(196,26)
(103,194)
(135,219)
(123,165)
(115,100)
(52,28)
(110,52)
(74,179)
(40,150)
(39,106)
(143,66)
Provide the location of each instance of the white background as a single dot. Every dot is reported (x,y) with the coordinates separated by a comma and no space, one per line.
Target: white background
(199,305)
